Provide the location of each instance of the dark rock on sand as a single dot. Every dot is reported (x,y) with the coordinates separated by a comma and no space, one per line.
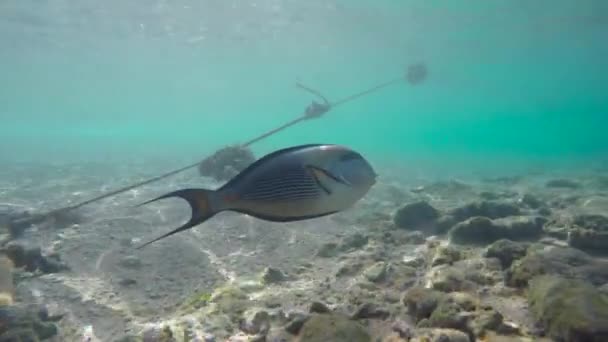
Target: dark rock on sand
(569,310)
(477,229)
(506,251)
(564,202)
(448,314)
(31,258)
(328,250)
(28,322)
(446,255)
(444,223)
(376,272)
(461,311)
(271,275)
(403,329)
(256,322)
(563,183)
(588,232)
(370,310)
(401,276)
(353,242)
(415,215)
(482,230)
(421,302)
(597,223)
(544,211)
(402,237)
(318,307)
(296,321)
(349,268)
(521,227)
(557,227)
(565,261)
(589,240)
(333,327)
(486,319)
(531,201)
(14,222)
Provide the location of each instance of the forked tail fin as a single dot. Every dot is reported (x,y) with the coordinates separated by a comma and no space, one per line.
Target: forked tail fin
(200,203)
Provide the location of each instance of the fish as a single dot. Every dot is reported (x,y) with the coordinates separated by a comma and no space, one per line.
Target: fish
(291,184)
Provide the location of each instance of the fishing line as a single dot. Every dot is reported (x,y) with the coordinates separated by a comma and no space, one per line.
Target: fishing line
(415,74)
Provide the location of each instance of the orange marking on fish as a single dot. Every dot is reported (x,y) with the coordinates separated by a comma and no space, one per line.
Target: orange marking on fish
(318,173)
(202,203)
(231,197)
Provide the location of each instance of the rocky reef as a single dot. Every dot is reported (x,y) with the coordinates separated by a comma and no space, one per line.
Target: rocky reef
(503,259)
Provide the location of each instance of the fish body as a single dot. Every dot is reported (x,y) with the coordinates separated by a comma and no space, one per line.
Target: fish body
(291,184)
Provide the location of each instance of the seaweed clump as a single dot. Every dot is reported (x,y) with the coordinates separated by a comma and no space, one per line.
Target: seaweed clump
(226,163)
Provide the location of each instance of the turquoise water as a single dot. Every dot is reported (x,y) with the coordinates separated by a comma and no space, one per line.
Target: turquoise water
(508,80)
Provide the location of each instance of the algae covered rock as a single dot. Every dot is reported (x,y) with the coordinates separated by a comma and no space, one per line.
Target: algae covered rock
(448,314)
(476,229)
(465,275)
(463,313)
(483,230)
(332,327)
(421,302)
(489,209)
(376,272)
(271,275)
(255,321)
(31,258)
(370,311)
(531,201)
(506,251)
(328,250)
(446,255)
(403,237)
(415,215)
(449,279)
(589,240)
(353,242)
(565,261)
(28,322)
(588,232)
(439,335)
(520,228)
(229,299)
(444,223)
(569,310)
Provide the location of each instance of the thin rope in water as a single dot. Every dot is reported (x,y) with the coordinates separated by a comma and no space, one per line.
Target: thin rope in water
(304,116)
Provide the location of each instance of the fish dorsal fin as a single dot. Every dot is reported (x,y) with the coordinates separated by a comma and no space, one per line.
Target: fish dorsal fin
(262,160)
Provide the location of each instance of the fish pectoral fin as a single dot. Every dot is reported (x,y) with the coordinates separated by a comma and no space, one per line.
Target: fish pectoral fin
(317,174)
(327,174)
